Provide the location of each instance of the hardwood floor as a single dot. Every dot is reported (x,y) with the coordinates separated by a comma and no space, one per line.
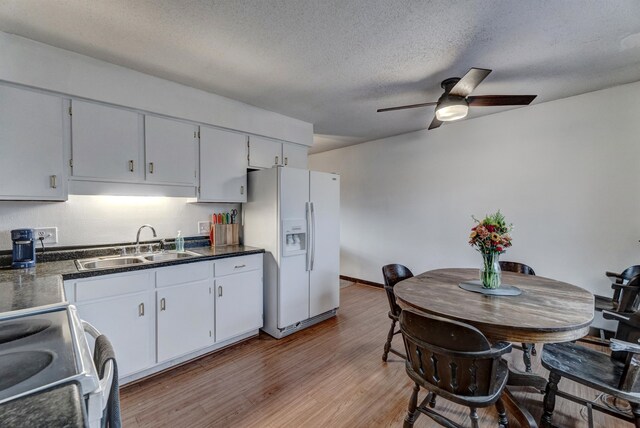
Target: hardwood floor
(330,375)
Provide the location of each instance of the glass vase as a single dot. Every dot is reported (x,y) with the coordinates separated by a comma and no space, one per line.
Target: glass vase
(490,274)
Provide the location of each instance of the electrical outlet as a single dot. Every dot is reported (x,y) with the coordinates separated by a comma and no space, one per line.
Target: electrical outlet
(203,227)
(50,234)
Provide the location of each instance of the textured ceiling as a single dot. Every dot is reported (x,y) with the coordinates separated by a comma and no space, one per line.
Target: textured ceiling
(334,62)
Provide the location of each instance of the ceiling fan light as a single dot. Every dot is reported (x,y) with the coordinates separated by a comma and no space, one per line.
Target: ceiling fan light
(447,113)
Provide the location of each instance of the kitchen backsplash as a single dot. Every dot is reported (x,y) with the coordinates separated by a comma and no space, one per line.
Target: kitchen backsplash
(90,220)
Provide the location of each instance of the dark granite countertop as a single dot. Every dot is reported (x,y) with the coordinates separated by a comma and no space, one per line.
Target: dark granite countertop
(60,406)
(205,253)
(43,285)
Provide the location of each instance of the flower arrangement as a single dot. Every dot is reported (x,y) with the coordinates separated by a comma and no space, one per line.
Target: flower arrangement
(491,237)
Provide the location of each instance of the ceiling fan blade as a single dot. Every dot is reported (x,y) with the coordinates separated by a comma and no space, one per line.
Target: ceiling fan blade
(500,100)
(380,110)
(469,82)
(435,123)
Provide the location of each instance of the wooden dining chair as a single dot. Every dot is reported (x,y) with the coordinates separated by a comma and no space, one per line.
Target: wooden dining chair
(516,267)
(393,274)
(455,361)
(617,374)
(625,294)
(528,349)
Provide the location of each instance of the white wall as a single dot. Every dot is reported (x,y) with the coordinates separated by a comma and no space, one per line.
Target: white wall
(88,220)
(35,64)
(563,172)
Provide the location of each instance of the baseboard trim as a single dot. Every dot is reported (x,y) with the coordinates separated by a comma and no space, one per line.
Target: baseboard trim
(361,281)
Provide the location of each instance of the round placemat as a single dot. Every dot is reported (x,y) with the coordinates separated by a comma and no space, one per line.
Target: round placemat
(476,287)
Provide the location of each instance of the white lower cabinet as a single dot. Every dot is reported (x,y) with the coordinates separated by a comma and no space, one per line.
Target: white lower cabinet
(154,316)
(185,319)
(128,321)
(238,304)
(121,306)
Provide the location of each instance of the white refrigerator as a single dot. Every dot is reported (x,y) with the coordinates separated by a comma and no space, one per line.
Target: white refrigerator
(294,215)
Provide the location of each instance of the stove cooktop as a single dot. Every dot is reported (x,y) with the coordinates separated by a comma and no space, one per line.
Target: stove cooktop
(36,351)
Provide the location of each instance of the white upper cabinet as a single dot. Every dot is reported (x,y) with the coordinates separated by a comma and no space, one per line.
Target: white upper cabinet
(295,155)
(264,153)
(105,142)
(223,166)
(31,145)
(170,151)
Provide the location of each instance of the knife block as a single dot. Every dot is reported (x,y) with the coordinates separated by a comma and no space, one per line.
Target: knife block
(225,234)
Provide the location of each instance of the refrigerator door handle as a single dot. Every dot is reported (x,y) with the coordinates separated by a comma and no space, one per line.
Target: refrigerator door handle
(313,241)
(308,255)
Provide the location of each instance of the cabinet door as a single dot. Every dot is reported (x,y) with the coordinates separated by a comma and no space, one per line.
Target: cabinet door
(264,153)
(105,142)
(223,166)
(295,155)
(238,304)
(31,141)
(185,319)
(128,322)
(170,151)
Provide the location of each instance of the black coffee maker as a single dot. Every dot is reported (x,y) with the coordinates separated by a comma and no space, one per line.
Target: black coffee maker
(24,248)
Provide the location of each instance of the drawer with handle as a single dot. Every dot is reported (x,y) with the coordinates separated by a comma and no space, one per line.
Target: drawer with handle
(238,264)
(190,272)
(112,285)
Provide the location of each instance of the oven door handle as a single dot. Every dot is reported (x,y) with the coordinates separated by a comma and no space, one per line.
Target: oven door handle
(107,378)
(88,328)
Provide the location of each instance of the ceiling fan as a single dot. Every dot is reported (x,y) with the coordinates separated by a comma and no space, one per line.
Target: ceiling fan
(454,103)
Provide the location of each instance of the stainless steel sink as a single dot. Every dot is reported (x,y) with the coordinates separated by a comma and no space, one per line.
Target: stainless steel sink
(163,257)
(110,263)
(120,261)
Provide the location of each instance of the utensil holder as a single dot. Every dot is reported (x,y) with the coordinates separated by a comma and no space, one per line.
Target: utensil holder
(225,234)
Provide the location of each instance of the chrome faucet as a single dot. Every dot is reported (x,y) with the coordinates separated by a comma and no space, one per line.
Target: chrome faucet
(138,235)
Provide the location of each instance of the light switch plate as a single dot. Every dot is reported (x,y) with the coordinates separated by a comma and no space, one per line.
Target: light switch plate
(203,227)
(50,235)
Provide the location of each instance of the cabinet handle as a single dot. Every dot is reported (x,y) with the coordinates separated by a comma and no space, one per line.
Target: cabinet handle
(220,291)
(163,304)
(150,167)
(141,310)
(277,160)
(239,266)
(53,181)
(130,166)
(242,190)
(286,161)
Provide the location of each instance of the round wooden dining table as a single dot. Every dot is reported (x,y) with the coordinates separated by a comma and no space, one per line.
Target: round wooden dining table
(547,311)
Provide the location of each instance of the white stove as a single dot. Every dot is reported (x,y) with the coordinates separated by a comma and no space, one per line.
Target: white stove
(46,347)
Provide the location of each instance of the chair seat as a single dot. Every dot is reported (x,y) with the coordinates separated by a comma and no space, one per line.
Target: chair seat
(588,367)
